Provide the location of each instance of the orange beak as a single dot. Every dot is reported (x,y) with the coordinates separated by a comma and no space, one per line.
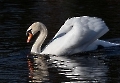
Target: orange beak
(29,37)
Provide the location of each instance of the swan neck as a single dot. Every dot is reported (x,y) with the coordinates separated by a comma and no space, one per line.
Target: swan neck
(36,48)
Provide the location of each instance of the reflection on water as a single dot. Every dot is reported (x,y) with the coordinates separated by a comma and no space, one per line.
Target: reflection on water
(96,66)
(38,68)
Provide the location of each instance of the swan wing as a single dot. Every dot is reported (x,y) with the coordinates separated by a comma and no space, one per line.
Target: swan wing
(91,28)
(76,35)
(65,28)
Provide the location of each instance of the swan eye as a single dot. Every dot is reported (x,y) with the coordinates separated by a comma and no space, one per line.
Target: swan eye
(29,31)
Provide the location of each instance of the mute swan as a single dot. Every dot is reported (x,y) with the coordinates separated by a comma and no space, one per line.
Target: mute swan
(78,34)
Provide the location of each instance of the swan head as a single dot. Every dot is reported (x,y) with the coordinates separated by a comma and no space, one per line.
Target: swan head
(32,30)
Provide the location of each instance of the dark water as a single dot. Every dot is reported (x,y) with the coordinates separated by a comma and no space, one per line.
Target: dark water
(100,66)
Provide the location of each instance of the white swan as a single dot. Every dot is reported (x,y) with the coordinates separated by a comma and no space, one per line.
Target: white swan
(78,34)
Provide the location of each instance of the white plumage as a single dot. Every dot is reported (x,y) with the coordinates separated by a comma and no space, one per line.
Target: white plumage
(78,34)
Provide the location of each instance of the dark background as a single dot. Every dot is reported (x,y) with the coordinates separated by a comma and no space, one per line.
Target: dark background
(17,15)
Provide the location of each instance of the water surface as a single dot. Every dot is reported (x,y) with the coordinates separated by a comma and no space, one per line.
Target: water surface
(100,66)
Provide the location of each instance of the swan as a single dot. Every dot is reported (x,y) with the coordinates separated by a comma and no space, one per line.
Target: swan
(77,34)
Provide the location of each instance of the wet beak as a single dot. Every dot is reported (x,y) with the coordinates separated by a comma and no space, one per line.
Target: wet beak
(30,35)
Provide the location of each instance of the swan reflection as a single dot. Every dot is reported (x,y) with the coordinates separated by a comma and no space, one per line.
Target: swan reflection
(54,69)
(38,68)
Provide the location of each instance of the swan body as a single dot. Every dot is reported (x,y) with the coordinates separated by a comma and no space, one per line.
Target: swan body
(78,34)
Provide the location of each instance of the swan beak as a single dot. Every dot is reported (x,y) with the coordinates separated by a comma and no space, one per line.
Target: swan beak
(30,35)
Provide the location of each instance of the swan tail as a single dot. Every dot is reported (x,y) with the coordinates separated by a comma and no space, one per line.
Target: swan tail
(106,43)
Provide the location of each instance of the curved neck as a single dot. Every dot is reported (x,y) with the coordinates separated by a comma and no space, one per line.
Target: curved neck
(36,48)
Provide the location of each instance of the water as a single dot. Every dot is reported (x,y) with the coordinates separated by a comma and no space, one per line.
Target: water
(16,63)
